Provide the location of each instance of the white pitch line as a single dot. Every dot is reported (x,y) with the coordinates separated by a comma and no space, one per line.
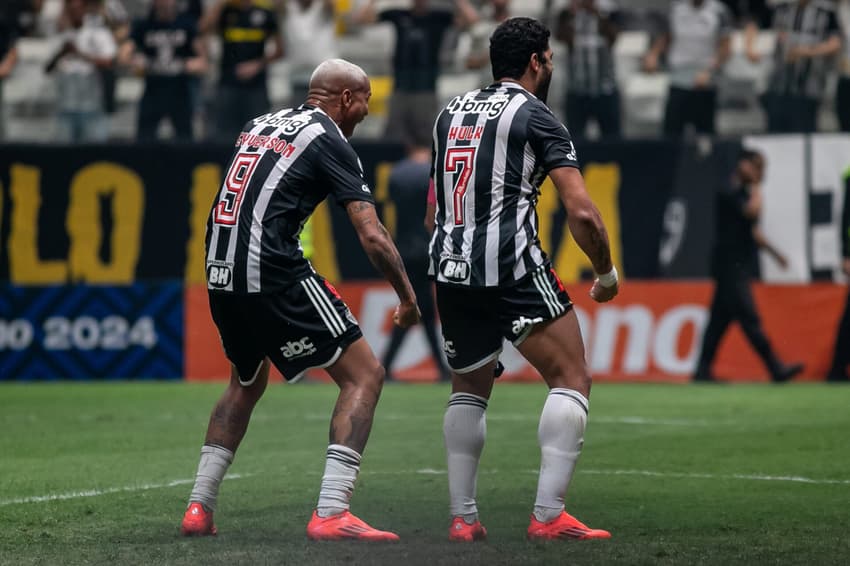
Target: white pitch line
(702,476)
(106,491)
(433,472)
(648,473)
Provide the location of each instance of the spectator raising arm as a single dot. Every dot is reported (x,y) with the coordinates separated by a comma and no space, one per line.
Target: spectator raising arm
(656,50)
(8,62)
(366,14)
(465,14)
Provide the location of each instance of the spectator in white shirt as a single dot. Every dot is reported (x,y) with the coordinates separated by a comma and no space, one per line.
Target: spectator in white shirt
(697,43)
(87,47)
(310,35)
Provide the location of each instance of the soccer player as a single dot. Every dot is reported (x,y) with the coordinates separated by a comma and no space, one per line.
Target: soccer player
(269,304)
(734,264)
(492,149)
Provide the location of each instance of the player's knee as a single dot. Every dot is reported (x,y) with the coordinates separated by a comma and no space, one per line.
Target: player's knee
(379,373)
(370,377)
(576,378)
(583,382)
(247,394)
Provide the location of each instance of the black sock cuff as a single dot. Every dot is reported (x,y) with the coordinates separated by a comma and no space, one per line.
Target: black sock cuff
(467,399)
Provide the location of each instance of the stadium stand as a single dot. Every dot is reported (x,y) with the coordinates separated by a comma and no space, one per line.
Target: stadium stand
(30,95)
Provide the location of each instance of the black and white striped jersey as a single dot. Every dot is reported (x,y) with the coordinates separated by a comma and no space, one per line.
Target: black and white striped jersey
(492,149)
(591,59)
(285,164)
(802,26)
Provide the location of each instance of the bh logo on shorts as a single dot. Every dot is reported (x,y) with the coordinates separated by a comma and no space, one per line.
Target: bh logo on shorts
(298,349)
(455,270)
(522,323)
(219,276)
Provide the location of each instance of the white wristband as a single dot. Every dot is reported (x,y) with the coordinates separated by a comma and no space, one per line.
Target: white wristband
(608,279)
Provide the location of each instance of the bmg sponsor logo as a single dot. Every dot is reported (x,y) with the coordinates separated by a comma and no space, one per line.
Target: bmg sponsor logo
(493,105)
(298,348)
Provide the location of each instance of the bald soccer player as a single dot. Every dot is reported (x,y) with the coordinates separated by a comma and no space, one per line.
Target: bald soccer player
(271,306)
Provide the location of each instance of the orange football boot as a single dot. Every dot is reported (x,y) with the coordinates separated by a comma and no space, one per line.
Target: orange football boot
(461,531)
(565,526)
(197,522)
(344,526)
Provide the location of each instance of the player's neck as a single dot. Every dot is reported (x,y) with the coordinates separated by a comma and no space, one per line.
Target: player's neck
(523,82)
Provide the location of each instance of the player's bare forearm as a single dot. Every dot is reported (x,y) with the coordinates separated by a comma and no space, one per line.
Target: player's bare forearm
(583,217)
(380,249)
(385,257)
(591,236)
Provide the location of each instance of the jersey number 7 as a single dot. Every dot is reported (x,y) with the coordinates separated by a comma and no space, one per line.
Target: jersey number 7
(460,160)
(237,179)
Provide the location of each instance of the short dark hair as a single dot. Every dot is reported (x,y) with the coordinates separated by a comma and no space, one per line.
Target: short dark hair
(749,154)
(512,45)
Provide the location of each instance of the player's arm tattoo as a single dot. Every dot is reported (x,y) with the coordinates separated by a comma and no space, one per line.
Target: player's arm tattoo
(379,247)
(600,252)
(590,234)
(583,218)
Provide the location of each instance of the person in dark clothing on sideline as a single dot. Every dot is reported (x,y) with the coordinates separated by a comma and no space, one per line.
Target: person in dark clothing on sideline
(734,265)
(419,33)
(841,358)
(408,189)
(166,50)
(245,27)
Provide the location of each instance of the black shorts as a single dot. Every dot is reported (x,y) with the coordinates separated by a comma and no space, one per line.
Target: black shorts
(475,320)
(306,325)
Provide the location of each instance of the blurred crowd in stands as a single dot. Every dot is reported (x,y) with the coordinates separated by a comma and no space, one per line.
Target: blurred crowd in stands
(95,70)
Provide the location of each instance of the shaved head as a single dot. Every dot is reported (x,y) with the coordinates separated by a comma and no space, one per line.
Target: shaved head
(342,90)
(336,75)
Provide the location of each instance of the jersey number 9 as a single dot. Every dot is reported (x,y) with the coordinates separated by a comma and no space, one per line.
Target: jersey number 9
(235,183)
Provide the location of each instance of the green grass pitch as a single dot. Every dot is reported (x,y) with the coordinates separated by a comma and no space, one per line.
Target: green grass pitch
(742,474)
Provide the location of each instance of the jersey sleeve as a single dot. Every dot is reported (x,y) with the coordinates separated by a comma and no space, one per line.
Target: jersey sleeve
(342,170)
(550,140)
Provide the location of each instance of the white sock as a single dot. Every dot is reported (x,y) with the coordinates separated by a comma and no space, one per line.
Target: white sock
(341,468)
(464,430)
(211,469)
(561,436)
